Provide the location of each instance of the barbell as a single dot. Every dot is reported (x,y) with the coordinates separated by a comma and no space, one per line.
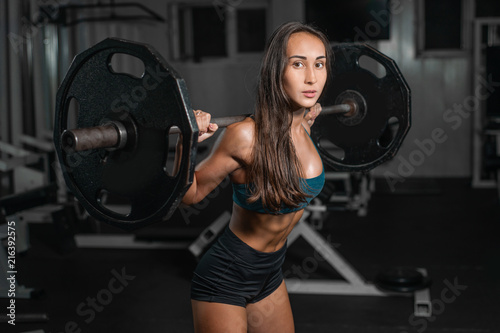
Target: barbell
(119,148)
(114,135)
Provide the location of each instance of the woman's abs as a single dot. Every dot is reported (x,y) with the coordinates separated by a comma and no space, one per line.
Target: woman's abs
(263,232)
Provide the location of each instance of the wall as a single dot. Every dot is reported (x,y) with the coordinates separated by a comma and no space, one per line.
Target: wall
(437,84)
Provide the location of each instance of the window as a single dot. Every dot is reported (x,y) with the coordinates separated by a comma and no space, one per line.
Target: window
(443,21)
(251,30)
(209,34)
(443,28)
(487,8)
(202,31)
(351,21)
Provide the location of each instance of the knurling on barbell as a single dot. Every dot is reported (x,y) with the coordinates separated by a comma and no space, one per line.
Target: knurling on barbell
(121,150)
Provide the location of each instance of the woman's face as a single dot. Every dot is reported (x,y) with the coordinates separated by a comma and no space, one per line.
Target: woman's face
(305,73)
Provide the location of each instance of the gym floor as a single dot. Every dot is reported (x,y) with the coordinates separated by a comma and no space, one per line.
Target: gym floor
(442,225)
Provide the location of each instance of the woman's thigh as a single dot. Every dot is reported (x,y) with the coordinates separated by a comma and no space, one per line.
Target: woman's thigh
(272,314)
(214,317)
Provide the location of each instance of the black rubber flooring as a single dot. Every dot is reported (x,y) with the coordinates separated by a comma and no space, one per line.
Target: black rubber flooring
(439,224)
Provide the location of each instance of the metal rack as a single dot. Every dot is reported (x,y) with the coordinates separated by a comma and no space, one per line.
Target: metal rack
(480,178)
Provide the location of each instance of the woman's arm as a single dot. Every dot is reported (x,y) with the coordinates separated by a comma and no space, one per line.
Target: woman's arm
(205,131)
(224,158)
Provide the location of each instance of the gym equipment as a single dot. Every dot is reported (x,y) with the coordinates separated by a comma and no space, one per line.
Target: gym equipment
(385,101)
(353,282)
(135,172)
(120,145)
(402,279)
(113,135)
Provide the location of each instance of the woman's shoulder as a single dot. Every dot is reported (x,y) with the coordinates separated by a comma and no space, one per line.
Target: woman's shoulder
(236,139)
(239,138)
(242,132)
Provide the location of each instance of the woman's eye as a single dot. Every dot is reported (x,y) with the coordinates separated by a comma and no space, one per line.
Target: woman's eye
(298,65)
(320,65)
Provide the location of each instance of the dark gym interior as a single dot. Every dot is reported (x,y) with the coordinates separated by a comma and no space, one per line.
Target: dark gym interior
(410,245)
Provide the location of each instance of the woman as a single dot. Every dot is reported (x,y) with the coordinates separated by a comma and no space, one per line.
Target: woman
(276,170)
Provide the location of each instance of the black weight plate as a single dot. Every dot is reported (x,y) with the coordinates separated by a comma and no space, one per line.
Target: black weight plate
(154,102)
(385,98)
(426,282)
(402,279)
(400,276)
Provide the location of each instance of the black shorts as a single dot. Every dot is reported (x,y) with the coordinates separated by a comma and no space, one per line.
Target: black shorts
(232,272)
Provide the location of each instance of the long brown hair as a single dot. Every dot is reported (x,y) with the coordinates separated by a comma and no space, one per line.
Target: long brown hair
(276,171)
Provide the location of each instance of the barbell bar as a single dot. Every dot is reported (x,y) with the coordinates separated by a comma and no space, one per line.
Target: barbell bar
(114,135)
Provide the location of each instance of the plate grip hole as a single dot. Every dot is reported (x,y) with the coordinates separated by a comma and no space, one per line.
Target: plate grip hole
(389,133)
(122,63)
(115,203)
(373,66)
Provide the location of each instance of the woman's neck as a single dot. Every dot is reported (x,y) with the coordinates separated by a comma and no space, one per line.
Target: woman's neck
(298,117)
